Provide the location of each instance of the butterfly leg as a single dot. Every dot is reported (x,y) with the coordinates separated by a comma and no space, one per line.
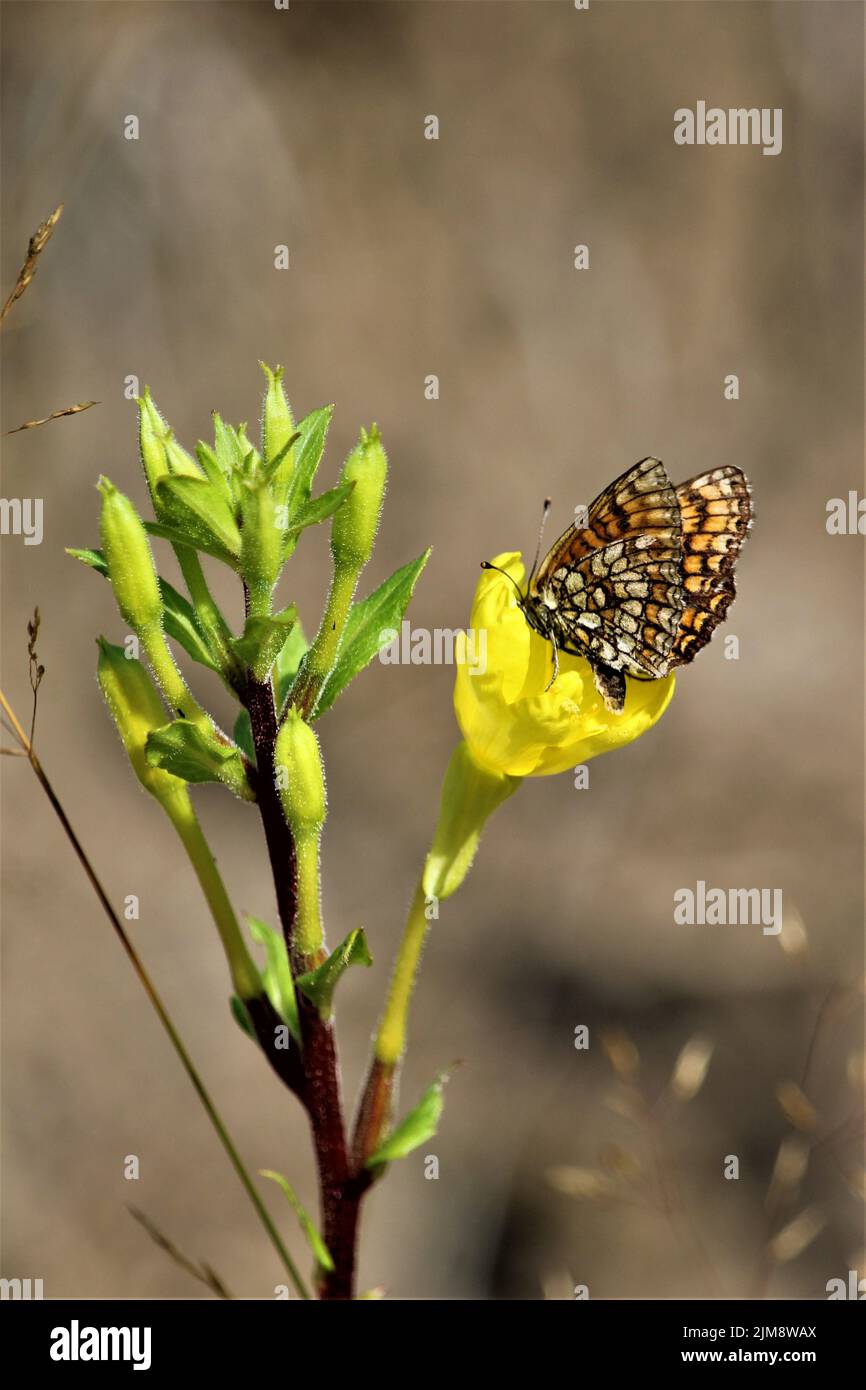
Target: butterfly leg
(555,664)
(610,685)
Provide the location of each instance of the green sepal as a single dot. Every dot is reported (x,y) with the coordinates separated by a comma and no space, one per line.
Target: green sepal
(201,512)
(276,975)
(261,537)
(308,455)
(227,449)
(263,639)
(185,750)
(415,1129)
(321,1254)
(313,512)
(214,473)
(241,1016)
(381,612)
(277,423)
(319,984)
(179,616)
(271,469)
(252,458)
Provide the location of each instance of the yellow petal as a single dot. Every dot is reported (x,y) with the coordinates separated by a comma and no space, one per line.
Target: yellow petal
(512,722)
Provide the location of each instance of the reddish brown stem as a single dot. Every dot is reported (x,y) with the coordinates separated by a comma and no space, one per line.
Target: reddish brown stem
(341,1189)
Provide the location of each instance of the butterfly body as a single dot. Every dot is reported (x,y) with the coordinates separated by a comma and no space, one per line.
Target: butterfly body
(642,586)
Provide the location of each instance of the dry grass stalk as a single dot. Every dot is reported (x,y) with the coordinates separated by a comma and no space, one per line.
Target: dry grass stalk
(38,242)
(55,415)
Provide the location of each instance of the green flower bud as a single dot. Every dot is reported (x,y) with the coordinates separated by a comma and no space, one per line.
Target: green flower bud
(137,710)
(160,452)
(301,784)
(261,544)
(129,560)
(354,527)
(300,776)
(277,424)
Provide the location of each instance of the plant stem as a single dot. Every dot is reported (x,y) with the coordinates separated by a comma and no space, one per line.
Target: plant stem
(245,977)
(211,618)
(173,685)
(341,1188)
(391,1035)
(322,656)
(158,1006)
(308,926)
(374,1111)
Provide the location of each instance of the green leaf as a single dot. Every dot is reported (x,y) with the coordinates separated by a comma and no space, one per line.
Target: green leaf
(321,1254)
(287,664)
(319,984)
(308,454)
(241,1017)
(417,1127)
(242,734)
(263,639)
(185,750)
(203,541)
(381,612)
(276,976)
(94,558)
(196,507)
(179,616)
(313,512)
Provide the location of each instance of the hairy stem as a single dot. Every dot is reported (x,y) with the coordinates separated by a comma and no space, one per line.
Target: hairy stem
(340,1188)
(374,1112)
(212,620)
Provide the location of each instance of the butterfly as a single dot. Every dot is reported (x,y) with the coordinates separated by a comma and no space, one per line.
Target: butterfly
(641,587)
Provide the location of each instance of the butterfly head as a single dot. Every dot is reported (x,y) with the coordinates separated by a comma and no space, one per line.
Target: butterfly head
(538,608)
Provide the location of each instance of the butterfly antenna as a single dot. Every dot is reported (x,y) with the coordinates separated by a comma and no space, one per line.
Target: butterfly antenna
(486,565)
(544,511)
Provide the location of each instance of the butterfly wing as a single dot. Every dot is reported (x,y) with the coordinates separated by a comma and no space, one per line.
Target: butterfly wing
(643,501)
(620,605)
(642,587)
(716,515)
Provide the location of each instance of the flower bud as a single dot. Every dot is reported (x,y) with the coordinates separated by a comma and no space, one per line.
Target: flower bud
(137,710)
(277,424)
(301,777)
(354,527)
(160,452)
(129,560)
(301,783)
(261,541)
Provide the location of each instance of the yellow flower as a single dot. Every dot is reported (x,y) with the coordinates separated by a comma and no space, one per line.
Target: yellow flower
(513,727)
(512,723)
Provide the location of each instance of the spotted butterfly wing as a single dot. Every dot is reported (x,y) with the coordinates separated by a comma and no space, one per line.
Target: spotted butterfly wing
(642,501)
(642,586)
(716,514)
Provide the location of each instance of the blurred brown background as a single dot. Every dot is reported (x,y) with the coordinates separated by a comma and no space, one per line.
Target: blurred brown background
(410,257)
